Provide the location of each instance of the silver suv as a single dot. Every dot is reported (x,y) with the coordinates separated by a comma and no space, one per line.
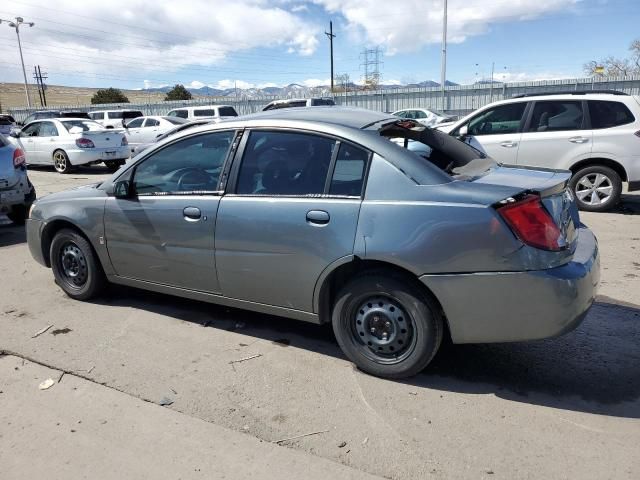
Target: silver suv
(16,192)
(594,134)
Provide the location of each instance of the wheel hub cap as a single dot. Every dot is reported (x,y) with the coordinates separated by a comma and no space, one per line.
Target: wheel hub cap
(383,326)
(594,189)
(74,265)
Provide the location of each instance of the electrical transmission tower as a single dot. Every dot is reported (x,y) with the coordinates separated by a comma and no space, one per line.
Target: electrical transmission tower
(371,64)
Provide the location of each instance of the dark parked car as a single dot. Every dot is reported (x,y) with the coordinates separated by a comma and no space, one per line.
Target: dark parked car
(313,214)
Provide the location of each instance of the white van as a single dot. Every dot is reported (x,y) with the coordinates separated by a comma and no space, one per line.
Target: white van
(114,118)
(213,112)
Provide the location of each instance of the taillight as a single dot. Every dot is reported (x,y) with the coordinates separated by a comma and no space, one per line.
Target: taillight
(18,158)
(531,223)
(124,142)
(84,143)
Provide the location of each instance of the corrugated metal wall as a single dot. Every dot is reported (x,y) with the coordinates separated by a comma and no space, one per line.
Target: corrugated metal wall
(458,100)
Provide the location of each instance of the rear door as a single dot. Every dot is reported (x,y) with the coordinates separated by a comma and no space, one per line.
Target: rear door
(134,131)
(283,222)
(164,233)
(556,135)
(498,129)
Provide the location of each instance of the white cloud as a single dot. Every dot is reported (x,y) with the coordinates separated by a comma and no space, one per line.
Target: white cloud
(299,8)
(408,25)
(315,82)
(136,39)
(224,84)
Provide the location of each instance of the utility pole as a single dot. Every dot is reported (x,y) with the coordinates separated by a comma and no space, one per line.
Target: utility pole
(16,25)
(43,85)
(443,67)
(37,79)
(331,36)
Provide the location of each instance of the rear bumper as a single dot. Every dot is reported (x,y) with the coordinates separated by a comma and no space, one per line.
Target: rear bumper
(95,155)
(21,194)
(34,240)
(518,306)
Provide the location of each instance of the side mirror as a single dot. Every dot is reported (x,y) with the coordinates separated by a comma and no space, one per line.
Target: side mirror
(122,189)
(14,133)
(464,131)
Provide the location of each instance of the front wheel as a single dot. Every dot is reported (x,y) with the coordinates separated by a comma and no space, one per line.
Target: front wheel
(386,325)
(61,162)
(75,266)
(113,165)
(597,188)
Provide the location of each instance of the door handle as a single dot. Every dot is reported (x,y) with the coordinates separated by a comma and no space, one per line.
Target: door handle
(192,214)
(318,217)
(509,144)
(578,140)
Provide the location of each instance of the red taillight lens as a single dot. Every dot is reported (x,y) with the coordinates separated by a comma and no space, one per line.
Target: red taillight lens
(18,158)
(124,142)
(531,223)
(84,143)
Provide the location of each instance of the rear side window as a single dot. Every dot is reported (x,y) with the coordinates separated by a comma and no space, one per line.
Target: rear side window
(556,116)
(609,114)
(498,120)
(97,115)
(151,122)
(279,163)
(114,114)
(322,101)
(228,112)
(348,174)
(204,113)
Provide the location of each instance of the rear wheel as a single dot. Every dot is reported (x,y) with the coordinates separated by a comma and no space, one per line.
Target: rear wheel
(61,162)
(596,188)
(18,214)
(75,266)
(387,326)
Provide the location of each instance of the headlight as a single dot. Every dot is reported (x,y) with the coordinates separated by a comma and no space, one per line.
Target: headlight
(31,210)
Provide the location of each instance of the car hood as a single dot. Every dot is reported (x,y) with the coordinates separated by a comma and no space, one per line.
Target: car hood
(84,191)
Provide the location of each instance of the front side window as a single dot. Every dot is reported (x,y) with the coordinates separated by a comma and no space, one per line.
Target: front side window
(227,112)
(204,113)
(191,165)
(30,130)
(282,163)
(137,123)
(420,114)
(556,116)
(498,120)
(48,129)
(97,115)
(151,122)
(348,174)
(609,114)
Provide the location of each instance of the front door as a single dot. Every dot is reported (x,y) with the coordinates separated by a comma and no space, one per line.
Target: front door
(46,142)
(26,140)
(284,223)
(498,130)
(164,232)
(556,135)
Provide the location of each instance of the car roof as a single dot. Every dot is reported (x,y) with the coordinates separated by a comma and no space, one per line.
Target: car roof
(350,117)
(117,110)
(579,95)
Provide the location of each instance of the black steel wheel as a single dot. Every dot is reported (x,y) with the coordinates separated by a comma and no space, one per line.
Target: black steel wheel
(387,325)
(75,265)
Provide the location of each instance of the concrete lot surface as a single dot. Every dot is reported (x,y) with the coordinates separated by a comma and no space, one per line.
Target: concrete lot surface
(561,408)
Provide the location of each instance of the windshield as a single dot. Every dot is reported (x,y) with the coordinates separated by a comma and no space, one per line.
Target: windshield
(228,112)
(176,120)
(81,125)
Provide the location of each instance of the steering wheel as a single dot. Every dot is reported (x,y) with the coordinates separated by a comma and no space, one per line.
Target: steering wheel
(199,176)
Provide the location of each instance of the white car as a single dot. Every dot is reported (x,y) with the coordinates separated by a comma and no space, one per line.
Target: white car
(143,130)
(596,135)
(68,142)
(213,112)
(114,118)
(425,116)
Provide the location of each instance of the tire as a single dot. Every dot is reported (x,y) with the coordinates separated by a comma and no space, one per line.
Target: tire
(61,162)
(75,266)
(113,165)
(386,325)
(596,188)
(18,214)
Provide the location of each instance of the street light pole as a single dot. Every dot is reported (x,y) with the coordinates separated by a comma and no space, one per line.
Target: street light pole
(16,24)
(443,67)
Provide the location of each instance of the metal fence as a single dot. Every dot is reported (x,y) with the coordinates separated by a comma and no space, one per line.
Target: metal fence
(457,100)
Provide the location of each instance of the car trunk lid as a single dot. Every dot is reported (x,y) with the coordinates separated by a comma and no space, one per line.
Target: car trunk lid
(104,139)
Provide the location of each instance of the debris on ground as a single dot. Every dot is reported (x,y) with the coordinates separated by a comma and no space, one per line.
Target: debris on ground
(48,383)
(366,439)
(165,402)
(245,359)
(60,377)
(300,436)
(61,331)
(174,392)
(91,369)
(413,393)
(342,444)
(41,331)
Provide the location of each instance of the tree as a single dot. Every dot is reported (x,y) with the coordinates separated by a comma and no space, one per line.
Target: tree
(109,95)
(616,67)
(178,92)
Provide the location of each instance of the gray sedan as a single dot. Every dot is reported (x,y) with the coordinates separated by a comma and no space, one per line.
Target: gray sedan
(314,214)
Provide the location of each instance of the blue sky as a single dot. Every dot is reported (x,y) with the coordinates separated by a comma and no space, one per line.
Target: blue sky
(133,43)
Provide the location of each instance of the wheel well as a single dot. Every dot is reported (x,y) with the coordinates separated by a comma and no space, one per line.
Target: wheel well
(50,231)
(341,275)
(606,162)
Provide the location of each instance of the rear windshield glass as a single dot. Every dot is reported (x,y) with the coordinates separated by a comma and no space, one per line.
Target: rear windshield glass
(204,113)
(228,112)
(82,125)
(609,114)
(5,121)
(7,117)
(133,114)
(178,113)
